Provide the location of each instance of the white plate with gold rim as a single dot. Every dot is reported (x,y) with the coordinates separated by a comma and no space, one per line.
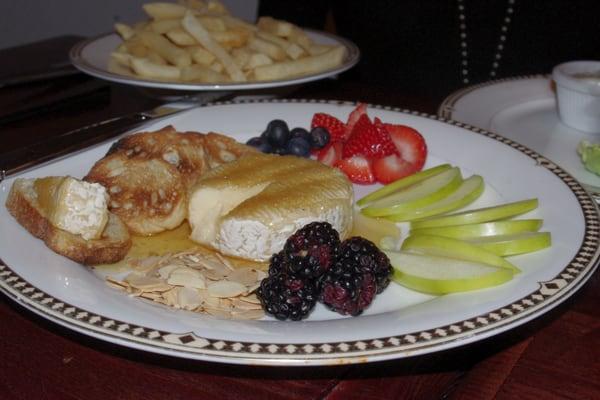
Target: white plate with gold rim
(92,56)
(400,322)
(523,109)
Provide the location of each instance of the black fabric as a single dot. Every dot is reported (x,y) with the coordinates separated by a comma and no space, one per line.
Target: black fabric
(414,45)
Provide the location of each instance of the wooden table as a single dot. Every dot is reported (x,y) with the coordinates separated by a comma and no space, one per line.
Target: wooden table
(554,356)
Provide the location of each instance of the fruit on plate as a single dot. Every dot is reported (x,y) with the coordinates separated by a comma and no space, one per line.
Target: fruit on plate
(385,234)
(402,183)
(357,168)
(472,231)
(279,139)
(391,151)
(469,191)
(441,275)
(493,213)
(454,248)
(315,266)
(420,194)
(518,243)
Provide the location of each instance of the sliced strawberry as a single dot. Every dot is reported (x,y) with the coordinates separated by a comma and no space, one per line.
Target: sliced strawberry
(331,153)
(410,144)
(369,139)
(336,128)
(392,168)
(361,109)
(357,168)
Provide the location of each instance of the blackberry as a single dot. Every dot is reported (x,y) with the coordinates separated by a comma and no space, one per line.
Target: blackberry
(287,296)
(312,250)
(360,252)
(347,289)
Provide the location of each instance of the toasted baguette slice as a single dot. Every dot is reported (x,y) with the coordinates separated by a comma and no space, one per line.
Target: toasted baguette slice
(148,174)
(112,246)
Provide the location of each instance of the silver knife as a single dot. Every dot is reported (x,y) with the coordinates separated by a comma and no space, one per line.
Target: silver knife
(78,139)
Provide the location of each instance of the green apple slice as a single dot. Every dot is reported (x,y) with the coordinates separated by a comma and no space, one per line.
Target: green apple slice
(518,243)
(441,275)
(469,190)
(454,248)
(486,214)
(385,234)
(473,231)
(402,183)
(420,194)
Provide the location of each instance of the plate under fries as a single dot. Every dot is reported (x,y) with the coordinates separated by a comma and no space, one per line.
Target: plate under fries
(400,322)
(92,57)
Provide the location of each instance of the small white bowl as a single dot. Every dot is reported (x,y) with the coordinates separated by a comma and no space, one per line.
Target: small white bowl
(578,94)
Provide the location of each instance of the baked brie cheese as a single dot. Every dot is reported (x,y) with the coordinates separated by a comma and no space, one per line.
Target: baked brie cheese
(248,208)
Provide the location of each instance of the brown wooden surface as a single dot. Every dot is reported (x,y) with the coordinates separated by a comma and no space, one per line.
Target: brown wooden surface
(555,356)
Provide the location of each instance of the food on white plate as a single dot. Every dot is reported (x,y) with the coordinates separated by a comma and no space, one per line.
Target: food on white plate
(148,174)
(590,156)
(71,217)
(469,190)
(249,207)
(315,266)
(492,213)
(402,183)
(385,234)
(442,275)
(201,42)
(417,195)
(476,230)
(366,151)
(454,248)
(516,243)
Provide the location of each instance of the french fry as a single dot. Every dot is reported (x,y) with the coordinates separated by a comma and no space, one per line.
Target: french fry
(166,49)
(163,26)
(164,10)
(195,28)
(200,73)
(180,37)
(316,49)
(299,37)
(269,48)
(125,31)
(232,38)
(306,65)
(123,59)
(291,49)
(216,7)
(200,55)
(136,47)
(212,23)
(257,60)
(217,67)
(195,4)
(241,56)
(275,27)
(155,58)
(151,70)
(232,22)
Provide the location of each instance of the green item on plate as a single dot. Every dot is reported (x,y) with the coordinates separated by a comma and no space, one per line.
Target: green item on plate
(590,156)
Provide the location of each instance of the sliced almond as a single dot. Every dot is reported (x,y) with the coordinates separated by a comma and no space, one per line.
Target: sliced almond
(223,289)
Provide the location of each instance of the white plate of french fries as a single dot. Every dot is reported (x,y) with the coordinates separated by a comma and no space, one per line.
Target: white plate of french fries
(199,46)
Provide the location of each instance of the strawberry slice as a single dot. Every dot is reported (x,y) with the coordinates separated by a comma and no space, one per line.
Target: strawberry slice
(361,109)
(410,144)
(331,153)
(391,168)
(335,127)
(357,168)
(369,139)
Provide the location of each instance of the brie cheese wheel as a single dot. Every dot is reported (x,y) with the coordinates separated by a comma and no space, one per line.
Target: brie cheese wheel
(249,207)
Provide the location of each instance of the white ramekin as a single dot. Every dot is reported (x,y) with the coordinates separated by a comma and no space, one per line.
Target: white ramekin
(578,99)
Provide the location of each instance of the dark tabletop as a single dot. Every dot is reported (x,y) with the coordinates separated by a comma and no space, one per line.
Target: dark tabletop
(554,356)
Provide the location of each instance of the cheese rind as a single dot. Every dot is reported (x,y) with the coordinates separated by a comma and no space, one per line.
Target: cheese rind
(249,208)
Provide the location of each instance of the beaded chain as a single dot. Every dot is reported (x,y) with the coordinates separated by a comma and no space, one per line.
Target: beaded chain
(500,45)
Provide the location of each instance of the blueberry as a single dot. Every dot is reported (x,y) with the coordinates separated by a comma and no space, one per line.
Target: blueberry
(260,144)
(277,133)
(280,151)
(298,147)
(300,132)
(319,137)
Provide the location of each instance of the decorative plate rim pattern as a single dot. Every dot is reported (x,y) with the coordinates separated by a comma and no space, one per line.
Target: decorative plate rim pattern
(77,59)
(187,344)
